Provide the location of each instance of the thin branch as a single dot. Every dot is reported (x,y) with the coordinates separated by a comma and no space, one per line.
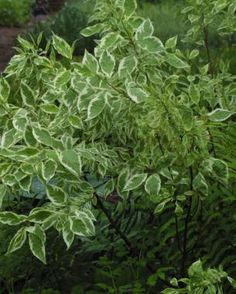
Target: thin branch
(113,224)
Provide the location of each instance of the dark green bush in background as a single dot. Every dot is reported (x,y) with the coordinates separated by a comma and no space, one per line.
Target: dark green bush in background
(15,12)
(68,23)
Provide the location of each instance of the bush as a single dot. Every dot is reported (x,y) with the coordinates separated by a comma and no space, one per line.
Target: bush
(133,154)
(68,23)
(15,12)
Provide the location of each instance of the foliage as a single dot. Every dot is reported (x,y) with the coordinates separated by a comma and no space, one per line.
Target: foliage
(15,12)
(67,23)
(130,141)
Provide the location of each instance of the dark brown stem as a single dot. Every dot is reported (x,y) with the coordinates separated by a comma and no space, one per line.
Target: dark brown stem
(113,224)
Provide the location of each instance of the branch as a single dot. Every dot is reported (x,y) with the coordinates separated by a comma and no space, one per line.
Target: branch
(113,224)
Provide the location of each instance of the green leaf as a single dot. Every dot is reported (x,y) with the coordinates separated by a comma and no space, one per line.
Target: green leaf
(11,218)
(3,191)
(193,54)
(127,66)
(153,184)
(160,207)
(178,209)
(4,90)
(107,62)
(20,120)
(40,215)
(29,138)
(37,247)
(121,182)
(62,47)
(135,181)
(130,7)
(17,241)
(42,135)
(71,161)
(62,78)
(50,222)
(9,138)
(109,187)
(187,117)
(49,108)
(25,184)
(175,61)
(171,43)
(92,30)
(25,153)
(135,93)
(38,231)
(96,105)
(200,184)
(195,269)
(90,62)
(194,94)
(88,222)
(220,115)
(25,44)
(145,30)
(220,169)
(110,40)
(77,226)
(27,95)
(76,121)
(67,234)
(9,180)
(48,169)
(4,168)
(56,195)
(151,44)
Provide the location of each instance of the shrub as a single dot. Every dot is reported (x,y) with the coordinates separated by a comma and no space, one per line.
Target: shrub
(15,12)
(138,141)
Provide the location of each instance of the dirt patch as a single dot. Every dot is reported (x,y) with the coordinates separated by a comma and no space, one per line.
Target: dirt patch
(7,40)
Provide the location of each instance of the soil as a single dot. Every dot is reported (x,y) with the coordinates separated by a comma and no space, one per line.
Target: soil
(7,40)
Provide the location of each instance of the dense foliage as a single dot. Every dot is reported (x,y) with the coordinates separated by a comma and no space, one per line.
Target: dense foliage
(128,156)
(15,12)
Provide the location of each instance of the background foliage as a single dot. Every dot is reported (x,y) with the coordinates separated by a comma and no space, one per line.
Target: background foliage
(15,12)
(68,23)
